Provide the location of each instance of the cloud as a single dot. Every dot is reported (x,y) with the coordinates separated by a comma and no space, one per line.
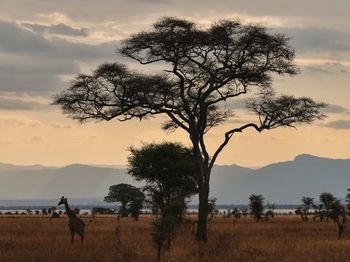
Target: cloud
(17,104)
(37,139)
(60,126)
(330,108)
(338,124)
(59,29)
(19,121)
(316,38)
(236,104)
(326,68)
(38,83)
(16,39)
(31,63)
(153,1)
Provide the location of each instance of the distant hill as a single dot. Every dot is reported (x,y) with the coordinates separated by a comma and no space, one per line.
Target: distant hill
(306,175)
(10,167)
(75,181)
(283,183)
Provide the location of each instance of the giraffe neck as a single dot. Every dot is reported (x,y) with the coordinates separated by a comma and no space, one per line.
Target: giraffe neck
(69,212)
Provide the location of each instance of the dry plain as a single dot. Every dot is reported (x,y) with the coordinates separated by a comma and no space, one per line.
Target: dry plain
(286,238)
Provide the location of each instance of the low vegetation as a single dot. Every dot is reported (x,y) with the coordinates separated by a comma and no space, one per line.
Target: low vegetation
(286,238)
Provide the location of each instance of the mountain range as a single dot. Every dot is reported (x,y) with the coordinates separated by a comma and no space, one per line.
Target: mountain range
(281,183)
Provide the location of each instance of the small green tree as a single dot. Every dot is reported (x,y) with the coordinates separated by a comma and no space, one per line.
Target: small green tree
(270,212)
(170,177)
(303,210)
(165,224)
(245,212)
(126,195)
(168,171)
(212,210)
(326,201)
(347,200)
(136,204)
(333,209)
(236,213)
(337,212)
(256,204)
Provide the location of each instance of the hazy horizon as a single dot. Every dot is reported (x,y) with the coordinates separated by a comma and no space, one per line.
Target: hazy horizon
(125,165)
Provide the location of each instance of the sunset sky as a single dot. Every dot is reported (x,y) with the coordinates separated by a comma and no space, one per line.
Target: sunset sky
(44,44)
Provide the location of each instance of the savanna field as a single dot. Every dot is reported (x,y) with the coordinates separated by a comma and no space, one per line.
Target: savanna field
(286,238)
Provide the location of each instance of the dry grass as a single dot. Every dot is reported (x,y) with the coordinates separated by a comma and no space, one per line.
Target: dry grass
(26,238)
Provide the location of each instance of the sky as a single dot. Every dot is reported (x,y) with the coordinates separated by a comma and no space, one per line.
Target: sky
(44,44)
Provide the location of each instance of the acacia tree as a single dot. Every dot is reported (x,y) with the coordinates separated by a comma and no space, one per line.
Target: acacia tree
(130,198)
(326,201)
(203,69)
(256,204)
(347,200)
(337,212)
(168,171)
(303,210)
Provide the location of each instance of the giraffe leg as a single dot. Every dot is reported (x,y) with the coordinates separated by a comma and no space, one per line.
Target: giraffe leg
(72,237)
(72,232)
(82,238)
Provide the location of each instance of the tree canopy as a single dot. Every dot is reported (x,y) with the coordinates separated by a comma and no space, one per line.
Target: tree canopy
(167,169)
(130,198)
(256,205)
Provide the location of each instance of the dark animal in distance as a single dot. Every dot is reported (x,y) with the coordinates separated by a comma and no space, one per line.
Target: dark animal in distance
(55,215)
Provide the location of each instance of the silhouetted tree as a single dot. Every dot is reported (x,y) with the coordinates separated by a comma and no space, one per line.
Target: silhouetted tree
(51,210)
(212,210)
(337,212)
(245,212)
(136,204)
(270,212)
(166,223)
(236,213)
(169,173)
(347,200)
(203,69)
(126,195)
(305,207)
(256,204)
(326,200)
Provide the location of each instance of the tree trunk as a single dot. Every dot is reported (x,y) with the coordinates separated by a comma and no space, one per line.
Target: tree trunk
(203,175)
(202,234)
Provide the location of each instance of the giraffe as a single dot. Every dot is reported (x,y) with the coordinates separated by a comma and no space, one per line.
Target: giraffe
(76,225)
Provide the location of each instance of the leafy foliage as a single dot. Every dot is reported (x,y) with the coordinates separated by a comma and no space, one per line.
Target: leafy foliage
(347,199)
(303,210)
(170,177)
(130,198)
(167,169)
(256,204)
